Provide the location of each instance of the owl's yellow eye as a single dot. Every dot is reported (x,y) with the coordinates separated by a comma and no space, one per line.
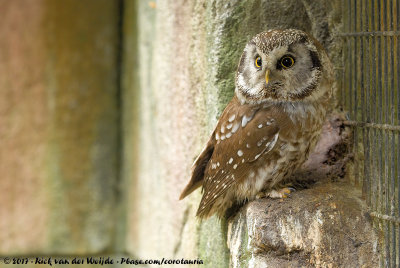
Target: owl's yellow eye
(287,61)
(258,62)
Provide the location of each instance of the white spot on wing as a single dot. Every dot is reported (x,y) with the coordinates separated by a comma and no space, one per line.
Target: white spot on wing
(245,120)
(273,142)
(234,166)
(240,153)
(230,160)
(260,126)
(228,135)
(235,127)
(231,118)
(269,146)
(229,126)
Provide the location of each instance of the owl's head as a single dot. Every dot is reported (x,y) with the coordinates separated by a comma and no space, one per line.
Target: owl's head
(282,65)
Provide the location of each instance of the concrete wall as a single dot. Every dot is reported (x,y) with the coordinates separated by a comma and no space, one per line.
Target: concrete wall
(58,126)
(98,134)
(187,55)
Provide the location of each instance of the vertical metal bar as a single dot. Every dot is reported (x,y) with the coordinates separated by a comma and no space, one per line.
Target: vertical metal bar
(383,156)
(396,87)
(382,188)
(391,144)
(361,92)
(365,85)
(354,92)
(370,81)
(396,76)
(349,60)
(385,112)
(344,44)
(373,105)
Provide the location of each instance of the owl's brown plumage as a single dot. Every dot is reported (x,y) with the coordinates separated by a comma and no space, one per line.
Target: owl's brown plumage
(283,86)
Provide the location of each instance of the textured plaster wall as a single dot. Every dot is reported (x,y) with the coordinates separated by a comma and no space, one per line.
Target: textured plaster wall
(186,57)
(58,126)
(93,162)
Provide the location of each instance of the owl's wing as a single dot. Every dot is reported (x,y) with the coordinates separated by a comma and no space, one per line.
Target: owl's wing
(198,169)
(244,134)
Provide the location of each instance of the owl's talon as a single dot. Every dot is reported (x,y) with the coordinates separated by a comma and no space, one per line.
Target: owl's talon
(281,193)
(260,195)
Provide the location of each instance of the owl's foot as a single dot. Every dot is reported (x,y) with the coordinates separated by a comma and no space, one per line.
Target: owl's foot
(281,193)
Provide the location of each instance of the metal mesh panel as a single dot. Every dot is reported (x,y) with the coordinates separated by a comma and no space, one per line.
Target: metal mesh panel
(370,93)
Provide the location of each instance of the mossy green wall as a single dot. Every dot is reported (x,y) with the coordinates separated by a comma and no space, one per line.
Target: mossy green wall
(99,136)
(186,59)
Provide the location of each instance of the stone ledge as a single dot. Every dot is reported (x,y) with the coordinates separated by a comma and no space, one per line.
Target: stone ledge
(325,226)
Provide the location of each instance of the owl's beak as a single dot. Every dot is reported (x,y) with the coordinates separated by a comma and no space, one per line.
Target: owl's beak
(267,73)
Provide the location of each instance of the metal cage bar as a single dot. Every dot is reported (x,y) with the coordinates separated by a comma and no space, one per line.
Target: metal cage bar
(370,93)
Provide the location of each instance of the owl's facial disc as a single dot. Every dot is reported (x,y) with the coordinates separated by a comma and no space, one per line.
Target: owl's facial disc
(278,65)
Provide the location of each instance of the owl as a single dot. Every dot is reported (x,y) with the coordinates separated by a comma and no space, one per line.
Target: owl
(282,92)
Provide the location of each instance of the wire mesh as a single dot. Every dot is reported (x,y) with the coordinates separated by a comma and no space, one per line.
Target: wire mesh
(370,93)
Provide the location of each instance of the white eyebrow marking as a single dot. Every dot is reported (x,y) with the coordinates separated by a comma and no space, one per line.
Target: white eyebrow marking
(230,160)
(231,118)
(240,153)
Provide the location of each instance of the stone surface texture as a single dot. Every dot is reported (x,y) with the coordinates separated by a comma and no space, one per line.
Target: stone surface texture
(105,104)
(187,55)
(324,226)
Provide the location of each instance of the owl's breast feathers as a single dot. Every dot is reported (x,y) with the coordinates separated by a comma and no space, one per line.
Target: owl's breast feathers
(243,134)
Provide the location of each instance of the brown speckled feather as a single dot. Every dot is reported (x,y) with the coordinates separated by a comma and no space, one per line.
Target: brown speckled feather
(249,132)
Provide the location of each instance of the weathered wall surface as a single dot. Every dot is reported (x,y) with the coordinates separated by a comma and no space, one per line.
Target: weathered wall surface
(58,126)
(187,56)
(70,185)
